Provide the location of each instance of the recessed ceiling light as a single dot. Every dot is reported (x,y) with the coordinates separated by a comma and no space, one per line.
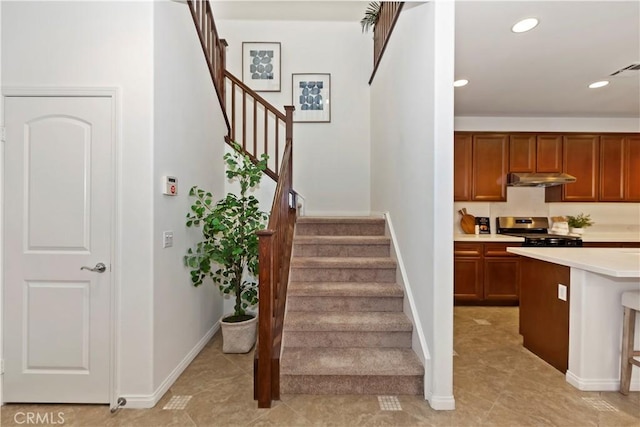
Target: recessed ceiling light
(460,83)
(524,25)
(596,85)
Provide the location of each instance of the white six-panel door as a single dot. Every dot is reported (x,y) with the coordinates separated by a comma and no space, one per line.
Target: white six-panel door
(58,218)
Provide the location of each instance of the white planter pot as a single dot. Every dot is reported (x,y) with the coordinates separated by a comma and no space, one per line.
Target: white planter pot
(239,337)
(577,231)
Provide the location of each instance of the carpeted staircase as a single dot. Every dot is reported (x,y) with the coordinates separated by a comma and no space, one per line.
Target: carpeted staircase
(345,331)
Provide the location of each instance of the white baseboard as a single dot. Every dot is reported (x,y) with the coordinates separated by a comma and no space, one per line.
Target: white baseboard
(141,401)
(604,384)
(442,403)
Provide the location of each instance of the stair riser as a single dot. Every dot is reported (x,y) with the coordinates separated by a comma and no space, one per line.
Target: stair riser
(334,339)
(342,304)
(376,229)
(328,250)
(343,274)
(339,384)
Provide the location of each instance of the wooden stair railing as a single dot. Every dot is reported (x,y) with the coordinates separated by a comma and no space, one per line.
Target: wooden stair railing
(213,47)
(259,128)
(256,125)
(275,246)
(389,13)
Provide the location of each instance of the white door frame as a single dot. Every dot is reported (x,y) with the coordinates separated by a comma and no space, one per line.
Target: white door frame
(104,92)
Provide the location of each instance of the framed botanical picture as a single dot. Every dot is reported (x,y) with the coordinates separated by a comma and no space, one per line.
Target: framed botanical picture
(261,66)
(311,97)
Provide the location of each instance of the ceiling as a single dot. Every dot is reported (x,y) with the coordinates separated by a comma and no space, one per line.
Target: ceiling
(541,73)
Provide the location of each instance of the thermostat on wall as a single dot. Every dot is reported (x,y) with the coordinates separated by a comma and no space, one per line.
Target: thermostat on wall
(170,185)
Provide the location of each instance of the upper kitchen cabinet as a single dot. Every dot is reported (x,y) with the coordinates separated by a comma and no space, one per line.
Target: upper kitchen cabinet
(620,168)
(462,155)
(535,153)
(549,153)
(522,153)
(489,167)
(580,158)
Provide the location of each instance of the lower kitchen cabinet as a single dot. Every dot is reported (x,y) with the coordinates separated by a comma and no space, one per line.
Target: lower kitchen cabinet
(485,274)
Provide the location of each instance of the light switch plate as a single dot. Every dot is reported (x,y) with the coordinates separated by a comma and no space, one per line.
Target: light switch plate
(167,239)
(562,292)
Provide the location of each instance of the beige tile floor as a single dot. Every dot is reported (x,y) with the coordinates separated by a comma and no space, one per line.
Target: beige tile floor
(496,383)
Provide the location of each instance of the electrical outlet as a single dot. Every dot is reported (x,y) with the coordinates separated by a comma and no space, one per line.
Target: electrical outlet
(167,239)
(562,292)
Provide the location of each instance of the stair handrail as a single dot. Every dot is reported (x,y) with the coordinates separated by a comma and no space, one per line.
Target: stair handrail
(275,247)
(213,47)
(387,18)
(275,242)
(238,129)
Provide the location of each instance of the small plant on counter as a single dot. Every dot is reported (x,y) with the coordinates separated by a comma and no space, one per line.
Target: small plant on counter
(579,221)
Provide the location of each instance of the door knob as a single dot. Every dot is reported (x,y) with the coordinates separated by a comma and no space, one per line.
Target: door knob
(99,268)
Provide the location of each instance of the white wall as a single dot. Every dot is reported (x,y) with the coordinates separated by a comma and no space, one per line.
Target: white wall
(331,160)
(411,172)
(547,124)
(103,44)
(189,131)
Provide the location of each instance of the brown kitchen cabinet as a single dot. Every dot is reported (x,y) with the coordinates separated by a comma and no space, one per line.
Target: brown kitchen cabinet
(580,158)
(544,318)
(485,274)
(535,153)
(489,167)
(462,156)
(619,168)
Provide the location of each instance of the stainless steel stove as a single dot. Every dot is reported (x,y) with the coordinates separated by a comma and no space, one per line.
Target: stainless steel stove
(535,231)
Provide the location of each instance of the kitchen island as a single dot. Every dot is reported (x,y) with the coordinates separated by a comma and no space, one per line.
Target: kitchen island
(571,312)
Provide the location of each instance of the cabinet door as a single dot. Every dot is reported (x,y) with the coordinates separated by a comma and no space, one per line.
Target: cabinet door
(580,158)
(612,162)
(462,167)
(501,276)
(522,153)
(632,169)
(549,153)
(467,279)
(490,159)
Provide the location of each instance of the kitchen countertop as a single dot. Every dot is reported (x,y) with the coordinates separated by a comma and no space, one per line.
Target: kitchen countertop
(620,237)
(481,238)
(615,262)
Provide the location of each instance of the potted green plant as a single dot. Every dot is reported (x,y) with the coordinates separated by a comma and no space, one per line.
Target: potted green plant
(578,223)
(228,252)
(371,15)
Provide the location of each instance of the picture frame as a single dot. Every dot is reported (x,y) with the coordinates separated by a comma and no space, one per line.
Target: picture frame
(261,66)
(311,95)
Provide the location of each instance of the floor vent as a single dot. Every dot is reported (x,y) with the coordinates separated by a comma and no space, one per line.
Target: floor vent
(389,403)
(177,402)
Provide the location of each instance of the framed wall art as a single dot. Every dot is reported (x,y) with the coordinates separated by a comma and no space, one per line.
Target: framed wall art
(311,97)
(261,66)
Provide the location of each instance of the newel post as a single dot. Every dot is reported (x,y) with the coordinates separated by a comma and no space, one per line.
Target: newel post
(289,109)
(263,374)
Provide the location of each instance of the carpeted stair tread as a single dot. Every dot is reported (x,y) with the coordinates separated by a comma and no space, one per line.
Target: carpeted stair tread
(341,240)
(345,289)
(351,362)
(343,262)
(339,220)
(378,321)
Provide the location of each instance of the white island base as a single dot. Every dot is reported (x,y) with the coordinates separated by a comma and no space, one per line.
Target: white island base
(598,277)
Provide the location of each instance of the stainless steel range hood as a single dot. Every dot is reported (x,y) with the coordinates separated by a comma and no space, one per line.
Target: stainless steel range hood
(518,179)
